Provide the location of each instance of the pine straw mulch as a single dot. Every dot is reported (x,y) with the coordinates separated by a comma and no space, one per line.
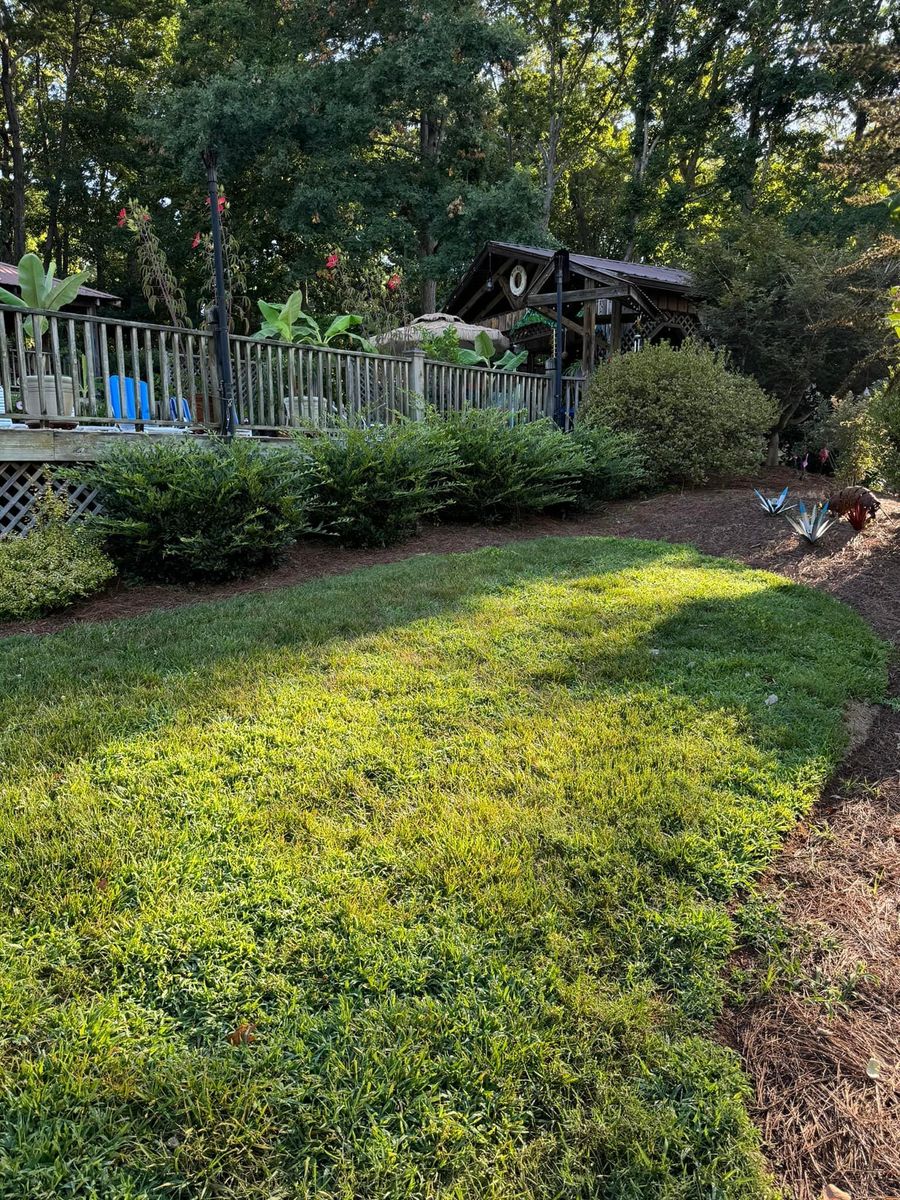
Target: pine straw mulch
(812,1039)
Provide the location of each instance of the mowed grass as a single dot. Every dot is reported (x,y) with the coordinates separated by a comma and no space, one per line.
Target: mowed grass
(456,837)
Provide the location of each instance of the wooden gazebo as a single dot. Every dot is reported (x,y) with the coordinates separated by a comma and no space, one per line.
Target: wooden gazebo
(608,305)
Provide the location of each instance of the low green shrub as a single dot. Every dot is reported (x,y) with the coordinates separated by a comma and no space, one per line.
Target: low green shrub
(52,566)
(692,416)
(373,486)
(614,465)
(185,509)
(507,467)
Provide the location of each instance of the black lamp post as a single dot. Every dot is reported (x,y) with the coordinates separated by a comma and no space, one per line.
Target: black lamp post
(561,267)
(229,422)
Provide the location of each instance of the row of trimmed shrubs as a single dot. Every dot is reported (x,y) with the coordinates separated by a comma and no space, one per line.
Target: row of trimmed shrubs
(202,510)
(197,509)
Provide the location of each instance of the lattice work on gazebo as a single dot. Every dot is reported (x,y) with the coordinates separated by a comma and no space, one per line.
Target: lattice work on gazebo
(21,483)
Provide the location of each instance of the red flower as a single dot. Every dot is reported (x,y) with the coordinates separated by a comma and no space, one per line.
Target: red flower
(332,261)
(220,203)
(824,455)
(196,242)
(123,217)
(393,283)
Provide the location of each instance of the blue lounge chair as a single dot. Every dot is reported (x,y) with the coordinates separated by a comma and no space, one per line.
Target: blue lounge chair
(115,399)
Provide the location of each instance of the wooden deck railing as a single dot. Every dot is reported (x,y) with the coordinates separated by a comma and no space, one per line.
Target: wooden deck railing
(93,372)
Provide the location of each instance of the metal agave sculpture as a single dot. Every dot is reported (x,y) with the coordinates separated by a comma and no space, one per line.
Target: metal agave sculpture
(773,505)
(812,524)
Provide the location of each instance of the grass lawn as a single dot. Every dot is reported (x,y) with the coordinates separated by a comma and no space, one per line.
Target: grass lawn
(408,883)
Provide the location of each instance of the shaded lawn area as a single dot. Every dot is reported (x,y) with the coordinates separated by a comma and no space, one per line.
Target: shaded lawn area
(455,836)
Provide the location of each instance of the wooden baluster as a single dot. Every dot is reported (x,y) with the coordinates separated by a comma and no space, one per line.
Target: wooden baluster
(57,368)
(39,360)
(120,370)
(151,382)
(176,363)
(74,366)
(103,335)
(5,368)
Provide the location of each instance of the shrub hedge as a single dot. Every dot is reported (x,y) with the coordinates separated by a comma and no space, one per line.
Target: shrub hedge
(182,509)
(373,486)
(507,467)
(692,416)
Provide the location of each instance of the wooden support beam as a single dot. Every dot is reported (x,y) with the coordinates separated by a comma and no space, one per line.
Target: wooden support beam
(578,294)
(575,326)
(615,328)
(484,289)
(589,337)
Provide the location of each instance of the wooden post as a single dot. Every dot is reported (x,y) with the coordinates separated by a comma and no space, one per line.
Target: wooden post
(615,328)
(417,385)
(589,338)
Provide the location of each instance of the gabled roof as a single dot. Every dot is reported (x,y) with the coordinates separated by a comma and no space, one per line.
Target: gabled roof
(591,266)
(9,278)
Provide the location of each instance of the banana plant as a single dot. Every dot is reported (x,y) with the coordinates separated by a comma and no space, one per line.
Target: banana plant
(289,323)
(484,349)
(811,525)
(39,289)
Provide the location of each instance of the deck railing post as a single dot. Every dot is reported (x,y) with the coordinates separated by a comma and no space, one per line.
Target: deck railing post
(417,385)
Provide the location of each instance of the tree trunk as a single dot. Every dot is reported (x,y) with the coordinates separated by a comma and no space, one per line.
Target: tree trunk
(55,190)
(429,148)
(772,455)
(7,83)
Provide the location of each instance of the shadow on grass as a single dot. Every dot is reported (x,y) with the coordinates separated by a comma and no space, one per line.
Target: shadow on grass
(66,694)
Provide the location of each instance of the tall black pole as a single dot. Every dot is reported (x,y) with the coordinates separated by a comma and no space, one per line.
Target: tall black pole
(561,263)
(228,423)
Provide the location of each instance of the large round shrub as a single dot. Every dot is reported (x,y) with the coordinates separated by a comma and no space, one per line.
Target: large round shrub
(184,509)
(691,415)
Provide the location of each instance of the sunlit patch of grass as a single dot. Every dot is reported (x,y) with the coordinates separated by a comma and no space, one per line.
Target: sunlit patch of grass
(453,838)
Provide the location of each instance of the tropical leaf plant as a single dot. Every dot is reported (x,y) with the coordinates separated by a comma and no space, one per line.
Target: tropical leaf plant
(289,323)
(40,289)
(773,505)
(483,352)
(811,524)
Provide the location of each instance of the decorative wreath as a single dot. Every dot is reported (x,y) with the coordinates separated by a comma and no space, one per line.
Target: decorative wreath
(518,281)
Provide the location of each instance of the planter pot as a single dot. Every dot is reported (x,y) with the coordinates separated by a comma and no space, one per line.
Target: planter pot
(31,395)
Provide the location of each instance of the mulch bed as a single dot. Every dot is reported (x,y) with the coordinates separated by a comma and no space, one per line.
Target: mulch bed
(807,1050)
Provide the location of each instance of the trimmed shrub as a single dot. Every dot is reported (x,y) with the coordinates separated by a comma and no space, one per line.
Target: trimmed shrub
(373,486)
(692,417)
(614,465)
(191,509)
(52,566)
(508,467)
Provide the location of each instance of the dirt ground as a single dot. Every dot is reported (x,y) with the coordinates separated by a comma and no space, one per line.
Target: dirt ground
(821,1043)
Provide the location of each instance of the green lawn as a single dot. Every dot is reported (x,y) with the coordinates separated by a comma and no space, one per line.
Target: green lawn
(456,835)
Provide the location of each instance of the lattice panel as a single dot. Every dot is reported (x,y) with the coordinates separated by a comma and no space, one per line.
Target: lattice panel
(21,483)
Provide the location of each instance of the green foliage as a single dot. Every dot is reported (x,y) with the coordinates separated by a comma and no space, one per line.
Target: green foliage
(373,486)
(462,851)
(56,563)
(614,464)
(692,417)
(800,315)
(183,509)
(446,348)
(289,323)
(507,467)
(39,289)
